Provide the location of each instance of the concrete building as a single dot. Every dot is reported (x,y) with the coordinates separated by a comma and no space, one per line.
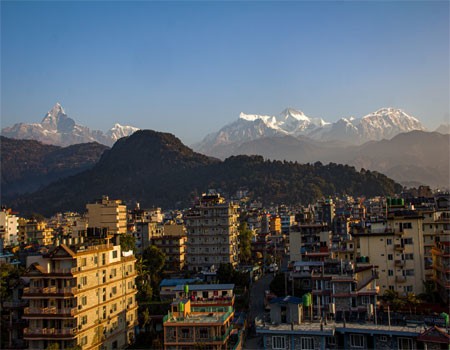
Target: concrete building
(109,213)
(9,227)
(396,246)
(174,247)
(32,231)
(212,233)
(81,295)
(186,328)
(309,242)
(441,265)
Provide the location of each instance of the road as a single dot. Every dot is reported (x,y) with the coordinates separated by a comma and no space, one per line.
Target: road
(257,308)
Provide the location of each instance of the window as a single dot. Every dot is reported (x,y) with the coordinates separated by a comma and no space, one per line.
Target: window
(307,343)
(408,272)
(407,225)
(391,288)
(331,342)
(389,241)
(278,342)
(84,300)
(84,280)
(405,343)
(185,333)
(357,341)
(84,320)
(407,241)
(390,257)
(383,338)
(408,256)
(84,341)
(390,272)
(204,333)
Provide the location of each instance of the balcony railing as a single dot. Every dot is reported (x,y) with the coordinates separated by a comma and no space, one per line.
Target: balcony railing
(399,247)
(399,263)
(14,304)
(50,311)
(40,332)
(400,279)
(49,290)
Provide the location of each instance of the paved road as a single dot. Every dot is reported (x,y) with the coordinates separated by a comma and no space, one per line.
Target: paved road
(257,308)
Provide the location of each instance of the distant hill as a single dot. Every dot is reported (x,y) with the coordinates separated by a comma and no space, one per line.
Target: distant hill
(157,169)
(413,157)
(27,165)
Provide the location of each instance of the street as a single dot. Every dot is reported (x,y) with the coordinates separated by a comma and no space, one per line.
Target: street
(257,308)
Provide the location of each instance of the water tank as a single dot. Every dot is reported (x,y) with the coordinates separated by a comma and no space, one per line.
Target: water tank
(181,307)
(332,308)
(307,300)
(186,289)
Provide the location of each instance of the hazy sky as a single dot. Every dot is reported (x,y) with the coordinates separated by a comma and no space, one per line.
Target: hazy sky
(191,67)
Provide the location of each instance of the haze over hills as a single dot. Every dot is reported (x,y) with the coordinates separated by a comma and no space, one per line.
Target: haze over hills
(417,157)
(382,124)
(27,165)
(58,129)
(155,168)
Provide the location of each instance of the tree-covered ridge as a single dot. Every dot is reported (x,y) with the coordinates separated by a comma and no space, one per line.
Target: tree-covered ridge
(157,169)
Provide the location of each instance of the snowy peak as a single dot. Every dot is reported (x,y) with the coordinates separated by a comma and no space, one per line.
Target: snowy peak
(58,129)
(384,123)
(118,131)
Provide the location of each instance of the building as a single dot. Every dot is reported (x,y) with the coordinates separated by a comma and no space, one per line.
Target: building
(186,328)
(9,227)
(109,213)
(396,246)
(212,233)
(309,242)
(173,245)
(441,265)
(33,231)
(81,295)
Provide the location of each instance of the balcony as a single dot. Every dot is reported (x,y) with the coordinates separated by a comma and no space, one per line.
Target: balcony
(400,279)
(399,263)
(44,333)
(399,247)
(49,311)
(49,291)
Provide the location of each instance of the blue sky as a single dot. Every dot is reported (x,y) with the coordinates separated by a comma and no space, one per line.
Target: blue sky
(189,68)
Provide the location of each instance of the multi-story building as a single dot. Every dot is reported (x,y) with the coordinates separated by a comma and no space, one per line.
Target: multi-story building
(173,244)
(309,242)
(212,233)
(396,246)
(35,231)
(143,233)
(187,329)
(109,213)
(275,225)
(81,295)
(9,227)
(441,265)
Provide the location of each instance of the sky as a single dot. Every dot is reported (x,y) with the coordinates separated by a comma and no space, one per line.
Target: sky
(191,67)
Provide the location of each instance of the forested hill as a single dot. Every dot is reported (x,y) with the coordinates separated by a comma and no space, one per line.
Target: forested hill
(156,169)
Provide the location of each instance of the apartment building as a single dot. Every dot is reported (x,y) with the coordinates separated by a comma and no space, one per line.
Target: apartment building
(309,242)
(396,246)
(173,244)
(109,213)
(9,227)
(81,294)
(33,231)
(441,265)
(187,329)
(212,233)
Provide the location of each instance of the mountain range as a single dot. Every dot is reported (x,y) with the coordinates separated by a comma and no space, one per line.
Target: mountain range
(155,168)
(385,123)
(58,129)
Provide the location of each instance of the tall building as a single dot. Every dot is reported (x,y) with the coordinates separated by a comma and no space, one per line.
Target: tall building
(396,246)
(83,295)
(212,233)
(441,265)
(9,227)
(109,213)
(35,232)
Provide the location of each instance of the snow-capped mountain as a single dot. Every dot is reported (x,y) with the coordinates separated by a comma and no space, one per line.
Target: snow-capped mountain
(250,127)
(385,123)
(58,129)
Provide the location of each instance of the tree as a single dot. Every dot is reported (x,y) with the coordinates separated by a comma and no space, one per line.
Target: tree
(127,242)
(412,301)
(245,243)
(153,262)
(225,273)
(393,299)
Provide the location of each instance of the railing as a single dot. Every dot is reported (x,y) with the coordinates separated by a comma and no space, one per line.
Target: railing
(50,331)
(399,247)
(225,336)
(49,311)
(400,279)
(400,263)
(50,290)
